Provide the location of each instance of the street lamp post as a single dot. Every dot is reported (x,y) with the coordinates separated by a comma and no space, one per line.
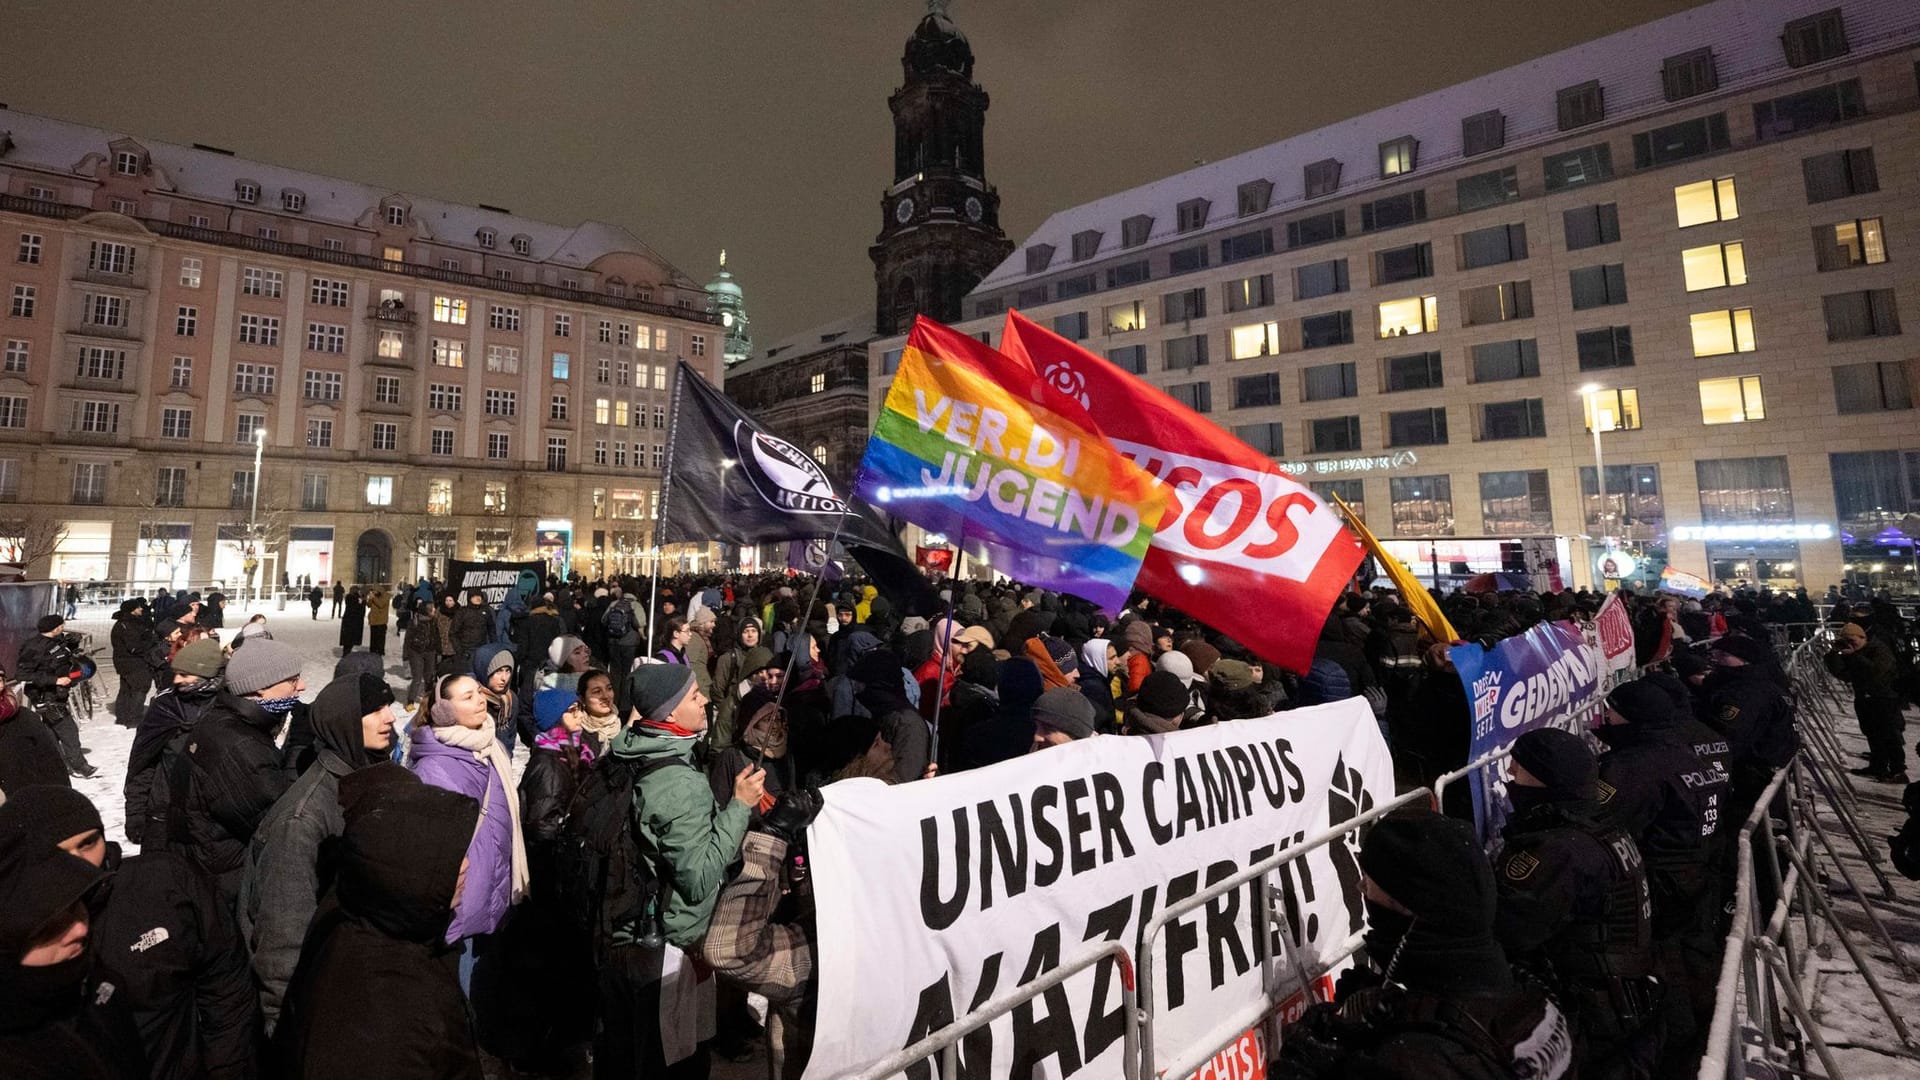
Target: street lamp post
(253,513)
(1591,392)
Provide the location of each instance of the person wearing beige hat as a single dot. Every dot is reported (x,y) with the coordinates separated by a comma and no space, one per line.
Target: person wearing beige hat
(1870,668)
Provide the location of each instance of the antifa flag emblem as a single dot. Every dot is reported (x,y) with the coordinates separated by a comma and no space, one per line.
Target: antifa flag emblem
(786,478)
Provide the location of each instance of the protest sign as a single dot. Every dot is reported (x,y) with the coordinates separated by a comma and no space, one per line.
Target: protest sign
(495,580)
(1546,677)
(1615,630)
(935,896)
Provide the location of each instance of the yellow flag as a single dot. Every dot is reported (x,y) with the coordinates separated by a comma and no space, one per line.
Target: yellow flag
(1417,598)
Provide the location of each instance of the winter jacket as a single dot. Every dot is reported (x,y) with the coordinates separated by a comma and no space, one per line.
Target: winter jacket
(1871,670)
(213,614)
(353,621)
(174,710)
(692,839)
(379,608)
(472,627)
(700,659)
(546,793)
(905,729)
(43,662)
(296,752)
(162,936)
(489,891)
(289,861)
(29,753)
(1756,716)
(133,638)
(424,635)
(377,990)
(1653,788)
(534,635)
(512,711)
(82,1030)
(232,776)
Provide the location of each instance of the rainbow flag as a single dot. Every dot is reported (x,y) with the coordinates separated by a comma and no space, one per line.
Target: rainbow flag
(975,446)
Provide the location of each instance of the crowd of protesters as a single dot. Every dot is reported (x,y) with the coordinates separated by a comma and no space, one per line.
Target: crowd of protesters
(354,884)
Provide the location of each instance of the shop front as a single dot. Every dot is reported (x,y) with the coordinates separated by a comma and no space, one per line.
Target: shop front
(553,545)
(83,553)
(1755,555)
(310,554)
(162,556)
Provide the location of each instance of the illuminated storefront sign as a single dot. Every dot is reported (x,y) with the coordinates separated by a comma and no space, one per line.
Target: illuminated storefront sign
(1402,459)
(1818,530)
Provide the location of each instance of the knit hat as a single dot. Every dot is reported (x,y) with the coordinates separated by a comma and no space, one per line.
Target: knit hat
(1432,866)
(1232,675)
(1179,665)
(912,624)
(1066,710)
(48,812)
(657,689)
(1746,648)
(550,705)
(1203,655)
(38,882)
(562,645)
(1162,694)
(374,692)
(1849,632)
(1560,760)
(759,658)
(1061,650)
(1641,702)
(264,663)
(203,658)
(703,617)
(50,623)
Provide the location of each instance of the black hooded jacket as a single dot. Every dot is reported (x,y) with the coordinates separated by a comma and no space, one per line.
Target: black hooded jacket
(377,989)
(148,789)
(133,638)
(1653,788)
(161,934)
(29,754)
(289,859)
(223,777)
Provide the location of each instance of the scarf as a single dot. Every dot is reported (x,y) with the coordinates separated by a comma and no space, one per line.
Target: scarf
(603,728)
(280,706)
(669,729)
(485,747)
(1050,673)
(562,740)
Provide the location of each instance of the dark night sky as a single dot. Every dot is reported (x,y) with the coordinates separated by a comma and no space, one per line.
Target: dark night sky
(757,125)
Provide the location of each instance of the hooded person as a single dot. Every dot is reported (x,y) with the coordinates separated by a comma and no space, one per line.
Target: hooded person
(1008,732)
(456,750)
(1181,666)
(762,743)
(883,694)
(1160,706)
(58,1019)
(1872,669)
(510,708)
(29,754)
(1096,681)
(729,671)
(133,641)
(160,936)
(1136,655)
(195,681)
(289,860)
(382,938)
(1232,694)
(1441,1001)
(229,768)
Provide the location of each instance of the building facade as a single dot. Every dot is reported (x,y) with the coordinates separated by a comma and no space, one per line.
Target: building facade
(1694,236)
(940,230)
(811,390)
(213,364)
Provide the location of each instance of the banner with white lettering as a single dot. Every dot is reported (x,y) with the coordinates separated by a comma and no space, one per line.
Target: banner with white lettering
(1546,677)
(1615,628)
(495,580)
(936,896)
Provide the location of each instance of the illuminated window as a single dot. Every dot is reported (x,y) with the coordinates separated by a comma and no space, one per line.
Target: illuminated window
(1260,339)
(1850,243)
(379,491)
(1414,315)
(447,309)
(1122,318)
(392,345)
(817,382)
(1717,333)
(440,496)
(622,414)
(1734,400)
(190,273)
(1616,410)
(602,411)
(448,352)
(1399,155)
(1714,266)
(1708,200)
(393,256)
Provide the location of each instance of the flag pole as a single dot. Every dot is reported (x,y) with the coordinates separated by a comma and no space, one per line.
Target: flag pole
(940,679)
(666,496)
(806,611)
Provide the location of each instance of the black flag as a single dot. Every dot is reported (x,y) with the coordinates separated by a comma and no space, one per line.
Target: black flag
(729,479)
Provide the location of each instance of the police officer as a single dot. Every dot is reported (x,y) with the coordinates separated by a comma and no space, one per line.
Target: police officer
(1653,788)
(48,666)
(1575,908)
(1445,1004)
(1747,705)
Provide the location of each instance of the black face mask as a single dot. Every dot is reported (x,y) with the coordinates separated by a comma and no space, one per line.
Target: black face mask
(1387,931)
(1608,733)
(1527,798)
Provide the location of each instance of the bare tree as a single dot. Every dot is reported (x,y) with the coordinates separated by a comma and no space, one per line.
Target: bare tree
(26,541)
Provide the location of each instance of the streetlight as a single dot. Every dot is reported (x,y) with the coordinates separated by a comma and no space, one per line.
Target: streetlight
(1591,392)
(253,511)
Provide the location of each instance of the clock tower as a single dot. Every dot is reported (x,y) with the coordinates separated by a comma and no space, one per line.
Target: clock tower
(940,233)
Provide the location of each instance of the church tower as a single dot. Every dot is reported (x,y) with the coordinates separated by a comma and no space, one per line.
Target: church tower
(940,233)
(731,305)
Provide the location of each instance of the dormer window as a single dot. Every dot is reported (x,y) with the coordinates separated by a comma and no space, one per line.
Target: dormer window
(1322,178)
(396,214)
(1399,155)
(1135,230)
(1191,215)
(1039,257)
(487,238)
(127,163)
(1085,244)
(246,191)
(522,244)
(293,201)
(1255,196)
(616,287)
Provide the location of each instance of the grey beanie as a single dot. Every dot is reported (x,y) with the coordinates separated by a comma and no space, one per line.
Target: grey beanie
(657,689)
(260,665)
(1066,710)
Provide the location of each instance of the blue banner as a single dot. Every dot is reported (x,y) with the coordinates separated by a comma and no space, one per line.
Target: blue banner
(1546,677)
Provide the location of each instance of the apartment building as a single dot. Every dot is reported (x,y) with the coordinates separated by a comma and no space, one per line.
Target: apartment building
(1694,237)
(212,362)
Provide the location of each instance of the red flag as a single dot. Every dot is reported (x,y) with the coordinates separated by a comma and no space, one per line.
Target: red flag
(1244,547)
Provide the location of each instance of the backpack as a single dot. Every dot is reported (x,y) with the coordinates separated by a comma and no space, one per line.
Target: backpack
(606,882)
(618,620)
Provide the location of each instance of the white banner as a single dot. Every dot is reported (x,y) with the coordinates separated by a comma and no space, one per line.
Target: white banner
(936,896)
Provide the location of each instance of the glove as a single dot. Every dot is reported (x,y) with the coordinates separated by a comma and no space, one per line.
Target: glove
(790,816)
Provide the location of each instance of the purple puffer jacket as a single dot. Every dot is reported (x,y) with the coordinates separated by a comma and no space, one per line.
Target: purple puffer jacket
(489,891)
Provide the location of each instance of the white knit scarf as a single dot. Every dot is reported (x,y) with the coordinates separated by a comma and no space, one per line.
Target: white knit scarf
(485,747)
